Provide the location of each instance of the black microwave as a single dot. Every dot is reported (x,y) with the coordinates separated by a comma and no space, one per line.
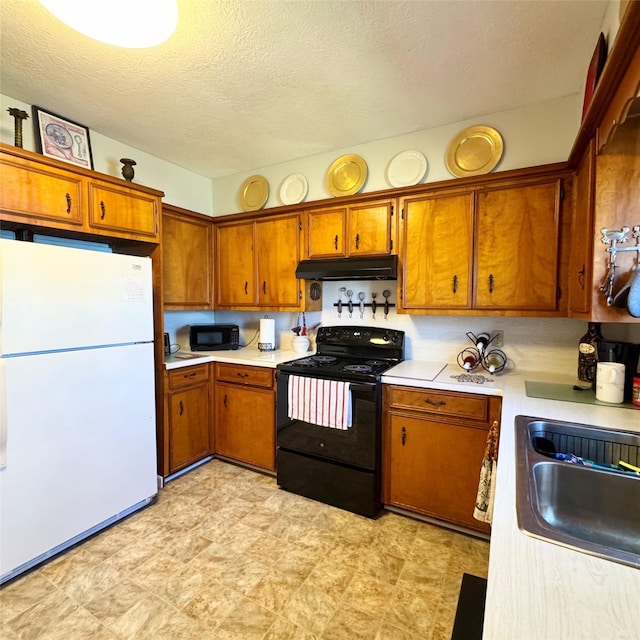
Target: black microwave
(214,337)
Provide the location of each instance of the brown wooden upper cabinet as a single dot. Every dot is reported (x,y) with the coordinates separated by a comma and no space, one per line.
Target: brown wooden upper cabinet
(606,196)
(437,251)
(42,193)
(122,209)
(581,246)
(256,260)
(489,248)
(359,229)
(517,237)
(187,259)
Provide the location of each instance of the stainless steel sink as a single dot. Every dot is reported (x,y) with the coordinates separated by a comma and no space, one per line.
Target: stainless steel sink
(588,509)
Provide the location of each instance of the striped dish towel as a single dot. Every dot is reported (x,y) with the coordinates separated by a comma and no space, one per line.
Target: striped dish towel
(323,402)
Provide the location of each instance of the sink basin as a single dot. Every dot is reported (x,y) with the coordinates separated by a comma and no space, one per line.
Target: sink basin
(587,509)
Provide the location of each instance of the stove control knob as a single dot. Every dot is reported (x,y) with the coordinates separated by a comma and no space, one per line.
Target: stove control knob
(385,337)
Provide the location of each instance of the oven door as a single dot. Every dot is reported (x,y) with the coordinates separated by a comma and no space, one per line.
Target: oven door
(358,446)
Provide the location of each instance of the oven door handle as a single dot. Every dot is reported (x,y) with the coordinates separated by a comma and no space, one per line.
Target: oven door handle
(362,386)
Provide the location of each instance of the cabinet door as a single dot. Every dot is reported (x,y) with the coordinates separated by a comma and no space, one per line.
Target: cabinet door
(435,468)
(188,426)
(580,271)
(278,255)
(245,424)
(516,240)
(370,229)
(187,262)
(118,209)
(235,271)
(326,232)
(41,192)
(437,252)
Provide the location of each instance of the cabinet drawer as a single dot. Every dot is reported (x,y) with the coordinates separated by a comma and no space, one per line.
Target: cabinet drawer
(188,375)
(256,376)
(460,405)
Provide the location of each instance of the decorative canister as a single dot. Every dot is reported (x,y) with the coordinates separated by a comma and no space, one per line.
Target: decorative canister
(635,397)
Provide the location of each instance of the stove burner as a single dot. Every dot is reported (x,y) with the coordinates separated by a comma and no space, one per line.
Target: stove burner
(324,359)
(358,368)
(306,362)
(375,363)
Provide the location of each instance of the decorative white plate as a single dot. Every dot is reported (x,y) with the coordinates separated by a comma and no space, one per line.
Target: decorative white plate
(407,168)
(293,189)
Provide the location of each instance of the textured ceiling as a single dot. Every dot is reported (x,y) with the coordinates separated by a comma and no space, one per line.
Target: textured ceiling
(243,85)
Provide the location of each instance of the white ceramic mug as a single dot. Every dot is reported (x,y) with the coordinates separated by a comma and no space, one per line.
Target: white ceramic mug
(610,382)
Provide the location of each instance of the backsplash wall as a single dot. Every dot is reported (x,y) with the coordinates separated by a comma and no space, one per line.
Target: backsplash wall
(548,344)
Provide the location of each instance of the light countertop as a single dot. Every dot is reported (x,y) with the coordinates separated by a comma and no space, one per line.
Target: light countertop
(244,355)
(538,590)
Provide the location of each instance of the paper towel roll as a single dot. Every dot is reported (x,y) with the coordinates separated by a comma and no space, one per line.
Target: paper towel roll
(267,339)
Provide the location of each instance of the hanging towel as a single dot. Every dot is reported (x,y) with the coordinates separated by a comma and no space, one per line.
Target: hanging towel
(323,402)
(483,510)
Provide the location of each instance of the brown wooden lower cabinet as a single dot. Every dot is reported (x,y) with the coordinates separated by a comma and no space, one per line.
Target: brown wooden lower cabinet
(187,416)
(433,446)
(245,414)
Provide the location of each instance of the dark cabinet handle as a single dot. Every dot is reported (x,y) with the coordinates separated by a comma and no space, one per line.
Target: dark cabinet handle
(581,277)
(241,374)
(224,401)
(454,284)
(189,375)
(264,286)
(68,198)
(103,209)
(335,242)
(403,435)
(246,286)
(435,403)
(491,282)
(181,407)
(357,240)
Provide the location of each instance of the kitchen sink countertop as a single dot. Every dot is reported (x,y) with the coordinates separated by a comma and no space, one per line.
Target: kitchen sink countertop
(244,355)
(538,590)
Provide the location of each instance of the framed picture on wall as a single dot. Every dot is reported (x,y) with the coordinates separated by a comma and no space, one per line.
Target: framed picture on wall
(61,138)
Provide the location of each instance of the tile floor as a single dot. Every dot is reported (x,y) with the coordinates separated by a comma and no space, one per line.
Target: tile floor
(226,555)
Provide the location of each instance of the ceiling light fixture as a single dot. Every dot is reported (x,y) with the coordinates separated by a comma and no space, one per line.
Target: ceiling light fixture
(134,24)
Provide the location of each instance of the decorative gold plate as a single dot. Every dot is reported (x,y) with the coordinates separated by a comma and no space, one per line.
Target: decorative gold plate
(254,193)
(474,151)
(346,175)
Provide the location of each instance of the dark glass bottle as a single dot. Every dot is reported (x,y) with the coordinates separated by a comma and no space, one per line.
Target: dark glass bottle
(588,352)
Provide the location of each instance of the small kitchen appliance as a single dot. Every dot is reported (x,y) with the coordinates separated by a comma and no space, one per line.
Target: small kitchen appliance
(214,337)
(329,421)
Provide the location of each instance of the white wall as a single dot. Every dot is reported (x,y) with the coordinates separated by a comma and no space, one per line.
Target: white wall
(181,187)
(536,134)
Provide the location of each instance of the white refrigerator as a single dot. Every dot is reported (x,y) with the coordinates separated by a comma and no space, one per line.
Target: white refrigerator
(77,397)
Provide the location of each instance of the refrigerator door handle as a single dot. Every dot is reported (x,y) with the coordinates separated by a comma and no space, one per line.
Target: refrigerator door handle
(3,417)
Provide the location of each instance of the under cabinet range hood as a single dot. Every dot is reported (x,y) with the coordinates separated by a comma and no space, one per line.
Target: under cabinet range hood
(369,268)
